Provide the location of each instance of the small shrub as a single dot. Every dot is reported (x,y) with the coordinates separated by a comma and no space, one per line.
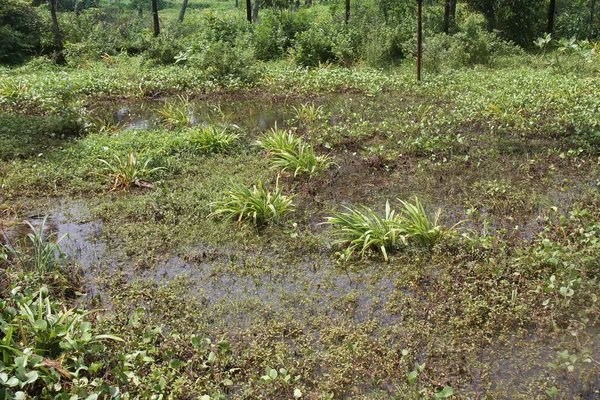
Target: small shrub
(254,205)
(212,139)
(127,172)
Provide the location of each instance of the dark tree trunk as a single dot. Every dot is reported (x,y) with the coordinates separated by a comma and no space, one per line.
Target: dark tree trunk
(237,3)
(419,37)
(551,12)
(308,3)
(184,7)
(491,19)
(155,17)
(58,42)
(449,15)
(592,17)
(255,10)
(347,11)
(446,26)
(249,11)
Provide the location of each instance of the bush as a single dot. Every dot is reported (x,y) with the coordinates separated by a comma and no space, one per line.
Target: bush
(19,31)
(472,45)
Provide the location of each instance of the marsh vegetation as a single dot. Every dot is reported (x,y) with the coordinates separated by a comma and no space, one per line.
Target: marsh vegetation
(280,210)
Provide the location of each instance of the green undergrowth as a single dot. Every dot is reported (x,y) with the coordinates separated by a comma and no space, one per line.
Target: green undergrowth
(208,308)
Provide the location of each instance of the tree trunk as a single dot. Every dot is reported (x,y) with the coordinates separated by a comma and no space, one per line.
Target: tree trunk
(155,17)
(419,37)
(184,7)
(551,12)
(58,42)
(347,11)
(237,3)
(446,26)
(249,11)
(491,19)
(255,10)
(592,18)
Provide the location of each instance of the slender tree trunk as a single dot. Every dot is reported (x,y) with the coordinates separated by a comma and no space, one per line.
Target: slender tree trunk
(308,3)
(491,19)
(249,11)
(184,7)
(592,18)
(255,10)
(237,3)
(58,41)
(551,12)
(155,17)
(347,11)
(446,26)
(419,37)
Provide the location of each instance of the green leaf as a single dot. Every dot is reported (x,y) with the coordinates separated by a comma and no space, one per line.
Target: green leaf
(446,392)
(40,324)
(212,357)
(273,373)
(412,376)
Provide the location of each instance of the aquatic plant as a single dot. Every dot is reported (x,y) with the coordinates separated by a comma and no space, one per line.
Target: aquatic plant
(418,226)
(254,205)
(127,172)
(38,250)
(279,140)
(308,113)
(212,139)
(290,153)
(362,229)
(176,114)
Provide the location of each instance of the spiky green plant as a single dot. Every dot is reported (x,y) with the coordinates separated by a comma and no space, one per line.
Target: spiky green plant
(418,226)
(39,249)
(290,153)
(212,139)
(308,113)
(127,172)
(176,114)
(254,205)
(302,161)
(362,229)
(279,141)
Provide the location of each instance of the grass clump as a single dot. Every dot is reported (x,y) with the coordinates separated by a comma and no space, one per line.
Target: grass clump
(176,114)
(125,173)
(212,139)
(290,153)
(254,205)
(37,252)
(363,229)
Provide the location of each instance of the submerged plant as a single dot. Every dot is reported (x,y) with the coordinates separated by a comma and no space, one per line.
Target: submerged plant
(289,153)
(127,172)
(362,229)
(212,139)
(256,205)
